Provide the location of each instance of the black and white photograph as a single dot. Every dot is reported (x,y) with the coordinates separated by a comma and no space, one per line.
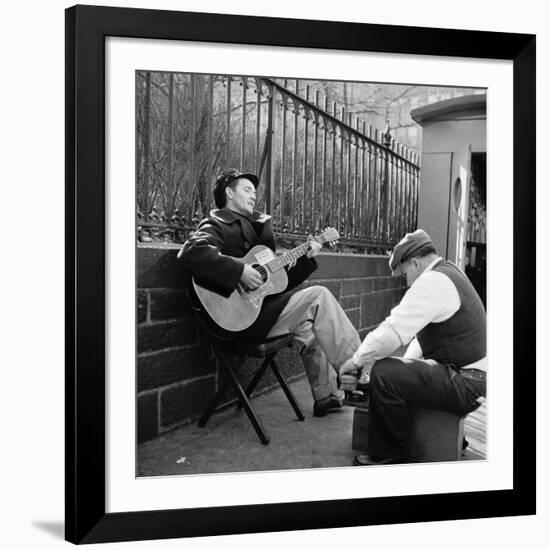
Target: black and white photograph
(291,241)
(311,273)
(274,274)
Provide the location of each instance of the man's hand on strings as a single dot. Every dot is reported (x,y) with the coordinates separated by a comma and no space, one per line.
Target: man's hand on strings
(250,278)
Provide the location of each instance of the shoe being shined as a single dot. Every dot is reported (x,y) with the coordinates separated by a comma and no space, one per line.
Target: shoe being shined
(323,406)
(348,382)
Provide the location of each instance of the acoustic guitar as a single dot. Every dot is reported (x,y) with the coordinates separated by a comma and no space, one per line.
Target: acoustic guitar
(238,311)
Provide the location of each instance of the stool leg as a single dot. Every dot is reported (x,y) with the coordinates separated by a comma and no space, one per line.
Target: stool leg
(212,405)
(243,400)
(253,417)
(288,392)
(259,373)
(255,379)
(219,394)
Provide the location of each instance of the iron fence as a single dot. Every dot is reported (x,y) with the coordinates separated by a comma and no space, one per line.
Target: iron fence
(318,165)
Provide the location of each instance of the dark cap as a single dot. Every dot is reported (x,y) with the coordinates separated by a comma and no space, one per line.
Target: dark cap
(409,244)
(225,178)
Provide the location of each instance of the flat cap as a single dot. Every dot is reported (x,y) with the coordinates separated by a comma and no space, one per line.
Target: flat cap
(409,244)
(225,178)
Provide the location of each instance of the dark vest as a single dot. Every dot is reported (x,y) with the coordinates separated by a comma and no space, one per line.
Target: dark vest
(461,339)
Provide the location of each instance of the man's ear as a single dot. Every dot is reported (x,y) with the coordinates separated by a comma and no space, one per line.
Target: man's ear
(228,193)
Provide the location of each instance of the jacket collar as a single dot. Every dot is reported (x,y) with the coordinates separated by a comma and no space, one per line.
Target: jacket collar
(227,216)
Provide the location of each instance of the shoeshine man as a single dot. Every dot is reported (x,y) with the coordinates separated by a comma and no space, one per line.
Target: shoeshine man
(211,255)
(444,368)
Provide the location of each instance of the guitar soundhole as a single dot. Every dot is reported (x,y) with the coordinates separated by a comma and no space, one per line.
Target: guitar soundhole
(261,270)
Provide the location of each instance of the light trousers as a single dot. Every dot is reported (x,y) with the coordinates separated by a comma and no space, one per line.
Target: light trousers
(327,336)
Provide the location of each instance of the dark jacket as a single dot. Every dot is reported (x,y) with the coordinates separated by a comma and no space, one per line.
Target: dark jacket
(209,255)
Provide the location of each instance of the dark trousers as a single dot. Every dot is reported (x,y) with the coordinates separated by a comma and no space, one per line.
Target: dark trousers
(398,385)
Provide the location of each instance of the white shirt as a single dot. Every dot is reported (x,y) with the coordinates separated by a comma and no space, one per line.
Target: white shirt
(432,298)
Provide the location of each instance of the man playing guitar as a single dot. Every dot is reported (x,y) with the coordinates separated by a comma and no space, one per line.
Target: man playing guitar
(213,257)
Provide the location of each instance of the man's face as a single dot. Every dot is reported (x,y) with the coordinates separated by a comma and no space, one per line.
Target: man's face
(411,269)
(243,198)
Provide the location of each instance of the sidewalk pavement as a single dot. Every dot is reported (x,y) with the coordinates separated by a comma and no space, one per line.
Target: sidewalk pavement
(229,443)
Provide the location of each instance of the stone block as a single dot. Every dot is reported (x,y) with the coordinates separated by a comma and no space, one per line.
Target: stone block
(387,302)
(147,416)
(397,295)
(185,401)
(171,334)
(354,316)
(397,282)
(333,286)
(162,368)
(169,304)
(336,288)
(373,309)
(142,301)
(381,283)
(350,302)
(351,287)
(367,285)
(157,266)
(344,265)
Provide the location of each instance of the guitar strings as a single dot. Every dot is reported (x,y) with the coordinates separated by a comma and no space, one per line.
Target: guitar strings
(278,263)
(262,271)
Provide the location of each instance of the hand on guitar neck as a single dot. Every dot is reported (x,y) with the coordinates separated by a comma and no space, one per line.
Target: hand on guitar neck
(251,279)
(314,248)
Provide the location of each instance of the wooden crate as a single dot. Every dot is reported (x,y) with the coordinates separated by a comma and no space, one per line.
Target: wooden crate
(434,436)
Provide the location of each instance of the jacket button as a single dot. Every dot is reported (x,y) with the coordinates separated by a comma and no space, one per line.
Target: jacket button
(246,245)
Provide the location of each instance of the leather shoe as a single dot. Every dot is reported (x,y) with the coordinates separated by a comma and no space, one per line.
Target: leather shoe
(348,381)
(368,460)
(323,406)
(356,396)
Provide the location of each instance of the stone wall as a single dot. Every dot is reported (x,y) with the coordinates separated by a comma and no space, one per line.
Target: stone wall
(176,374)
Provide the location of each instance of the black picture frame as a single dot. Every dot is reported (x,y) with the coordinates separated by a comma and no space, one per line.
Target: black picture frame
(86,30)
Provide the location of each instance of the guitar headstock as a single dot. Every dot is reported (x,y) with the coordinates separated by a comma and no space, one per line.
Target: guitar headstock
(329,235)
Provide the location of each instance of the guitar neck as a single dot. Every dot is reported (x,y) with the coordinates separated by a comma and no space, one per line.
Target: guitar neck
(288,257)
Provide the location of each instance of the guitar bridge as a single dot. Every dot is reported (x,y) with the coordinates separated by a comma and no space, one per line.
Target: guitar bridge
(251,296)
